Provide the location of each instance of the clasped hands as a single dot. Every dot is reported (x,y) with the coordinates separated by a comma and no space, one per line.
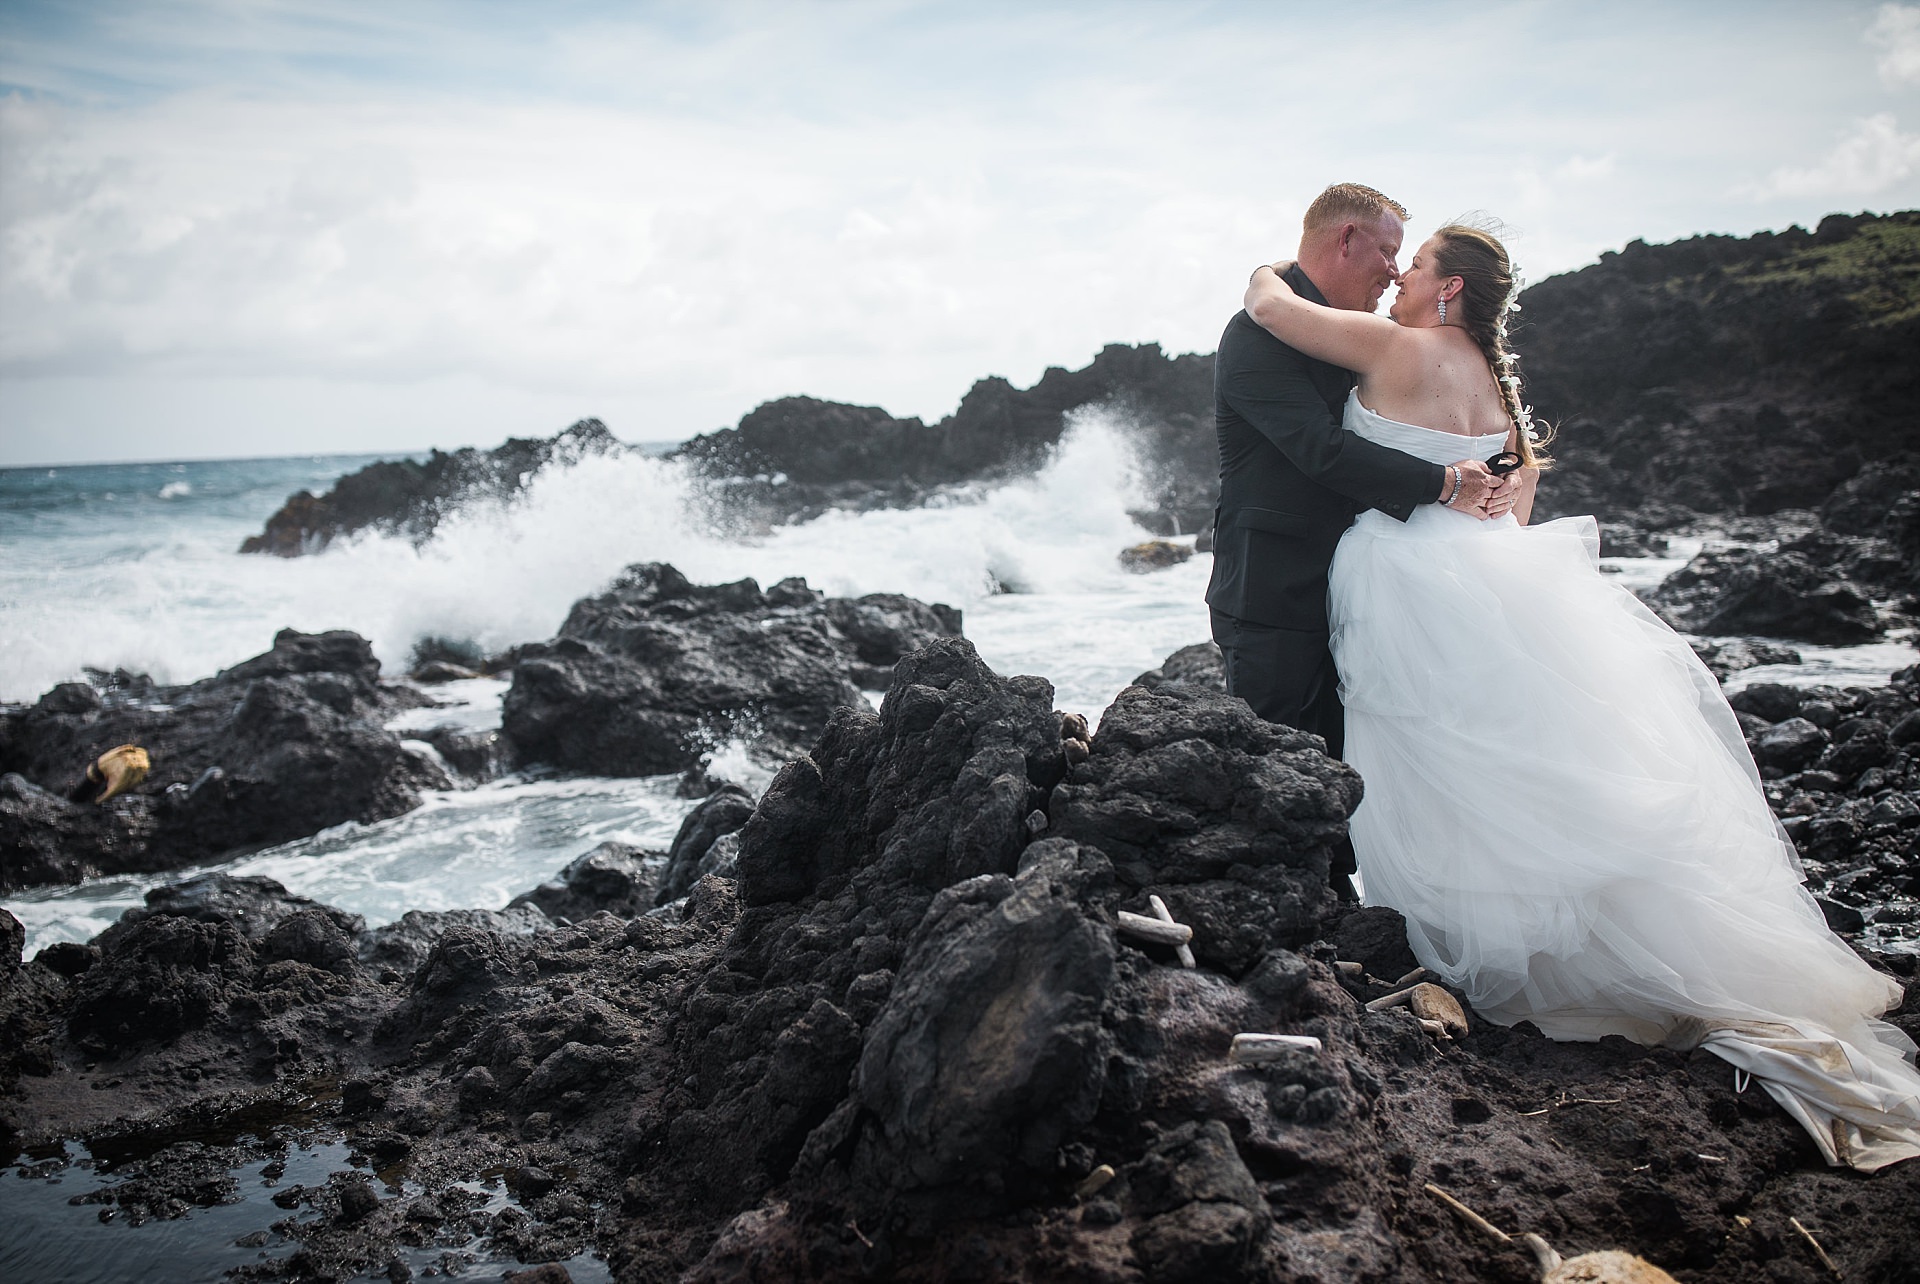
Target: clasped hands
(1482,492)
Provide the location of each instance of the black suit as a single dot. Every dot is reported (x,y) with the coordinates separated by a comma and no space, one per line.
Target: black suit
(1291,481)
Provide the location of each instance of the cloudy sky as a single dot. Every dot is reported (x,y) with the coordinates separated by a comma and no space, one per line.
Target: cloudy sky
(257,227)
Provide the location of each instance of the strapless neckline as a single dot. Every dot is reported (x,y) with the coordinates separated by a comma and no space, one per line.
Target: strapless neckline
(1354,397)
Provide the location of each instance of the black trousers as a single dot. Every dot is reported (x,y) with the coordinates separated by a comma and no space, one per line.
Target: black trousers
(1287,675)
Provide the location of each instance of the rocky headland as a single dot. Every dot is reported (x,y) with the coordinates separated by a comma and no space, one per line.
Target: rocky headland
(410,497)
(896,1028)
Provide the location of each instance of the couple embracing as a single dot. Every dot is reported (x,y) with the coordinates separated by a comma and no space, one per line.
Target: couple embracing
(1558,798)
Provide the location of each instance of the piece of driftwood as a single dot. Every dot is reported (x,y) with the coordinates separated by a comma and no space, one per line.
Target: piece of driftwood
(1467,1215)
(1094,1182)
(1143,928)
(1256,1049)
(1165,915)
(1346,967)
(1418,974)
(1813,1243)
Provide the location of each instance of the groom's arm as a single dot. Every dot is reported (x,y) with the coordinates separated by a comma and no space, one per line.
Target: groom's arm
(1268,385)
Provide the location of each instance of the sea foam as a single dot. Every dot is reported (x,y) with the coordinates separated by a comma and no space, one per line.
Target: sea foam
(174,600)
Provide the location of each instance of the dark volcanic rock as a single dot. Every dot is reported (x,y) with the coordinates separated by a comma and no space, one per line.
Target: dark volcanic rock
(798,456)
(903,1039)
(1232,819)
(1773,593)
(1737,654)
(657,672)
(613,878)
(1732,375)
(252,905)
(278,747)
(721,813)
(160,978)
(13,940)
(411,498)
(990,1044)
(1198,666)
(404,944)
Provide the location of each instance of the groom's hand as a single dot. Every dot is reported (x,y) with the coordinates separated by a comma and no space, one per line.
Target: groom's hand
(1478,487)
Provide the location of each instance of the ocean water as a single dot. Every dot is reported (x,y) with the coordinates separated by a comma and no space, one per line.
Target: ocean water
(135,566)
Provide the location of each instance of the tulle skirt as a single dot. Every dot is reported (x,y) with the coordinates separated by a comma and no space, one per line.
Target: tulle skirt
(1561,803)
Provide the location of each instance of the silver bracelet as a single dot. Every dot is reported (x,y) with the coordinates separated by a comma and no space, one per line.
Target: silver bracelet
(1453,471)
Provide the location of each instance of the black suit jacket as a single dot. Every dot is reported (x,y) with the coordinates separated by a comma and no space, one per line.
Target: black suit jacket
(1291,478)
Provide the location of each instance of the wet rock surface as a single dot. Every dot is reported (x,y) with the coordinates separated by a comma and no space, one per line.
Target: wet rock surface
(274,748)
(902,1038)
(1801,590)
(658,672)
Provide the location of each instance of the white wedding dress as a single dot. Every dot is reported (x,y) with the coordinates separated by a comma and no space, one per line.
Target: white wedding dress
(1561,803)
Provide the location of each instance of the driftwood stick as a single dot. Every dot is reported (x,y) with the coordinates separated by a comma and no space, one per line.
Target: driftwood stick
(1393,1000)
(1819,1252)
(1418,974)
(1142,928)
(1165,915)
(1254,1049)
(1472,1218)
(1094,1182)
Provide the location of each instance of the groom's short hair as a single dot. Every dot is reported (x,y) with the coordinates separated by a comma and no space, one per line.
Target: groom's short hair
(1349,202)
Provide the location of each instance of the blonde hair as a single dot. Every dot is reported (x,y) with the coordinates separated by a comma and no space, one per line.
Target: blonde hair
(1487,294)
(1349,202)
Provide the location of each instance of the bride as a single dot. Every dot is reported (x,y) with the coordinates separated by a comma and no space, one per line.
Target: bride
(1558,798)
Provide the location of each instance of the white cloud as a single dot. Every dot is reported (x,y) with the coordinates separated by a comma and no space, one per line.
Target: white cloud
(670,218)
(1874,156)
(1896,29)
(1585,169)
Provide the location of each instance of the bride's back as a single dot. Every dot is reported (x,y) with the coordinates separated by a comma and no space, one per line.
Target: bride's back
(1437,377)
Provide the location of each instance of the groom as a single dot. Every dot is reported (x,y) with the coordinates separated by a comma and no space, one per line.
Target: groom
(1292,479)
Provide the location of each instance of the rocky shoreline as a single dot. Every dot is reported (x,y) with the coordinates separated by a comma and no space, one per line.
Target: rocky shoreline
(881,1023)
(648,677)
(896,1016)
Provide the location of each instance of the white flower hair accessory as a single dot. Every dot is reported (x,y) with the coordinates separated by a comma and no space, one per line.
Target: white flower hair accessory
(1511,306)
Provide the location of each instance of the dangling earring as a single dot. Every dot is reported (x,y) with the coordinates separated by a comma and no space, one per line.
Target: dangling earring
(1443,310)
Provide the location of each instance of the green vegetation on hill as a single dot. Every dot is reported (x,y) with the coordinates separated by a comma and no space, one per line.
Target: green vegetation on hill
(1731,375)
(1877,268)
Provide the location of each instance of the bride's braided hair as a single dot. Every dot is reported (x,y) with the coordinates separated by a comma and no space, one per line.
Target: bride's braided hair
(1488,294)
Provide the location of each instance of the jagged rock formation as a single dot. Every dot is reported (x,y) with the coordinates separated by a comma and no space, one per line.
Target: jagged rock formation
(796,457)
(1734,375)
(274,748)
(902,1037)
(411,497)
(657,672)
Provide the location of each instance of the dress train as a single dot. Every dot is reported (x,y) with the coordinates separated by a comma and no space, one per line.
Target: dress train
(1561,804)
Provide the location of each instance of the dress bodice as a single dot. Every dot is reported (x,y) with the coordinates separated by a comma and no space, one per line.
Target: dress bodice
(1432,444)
